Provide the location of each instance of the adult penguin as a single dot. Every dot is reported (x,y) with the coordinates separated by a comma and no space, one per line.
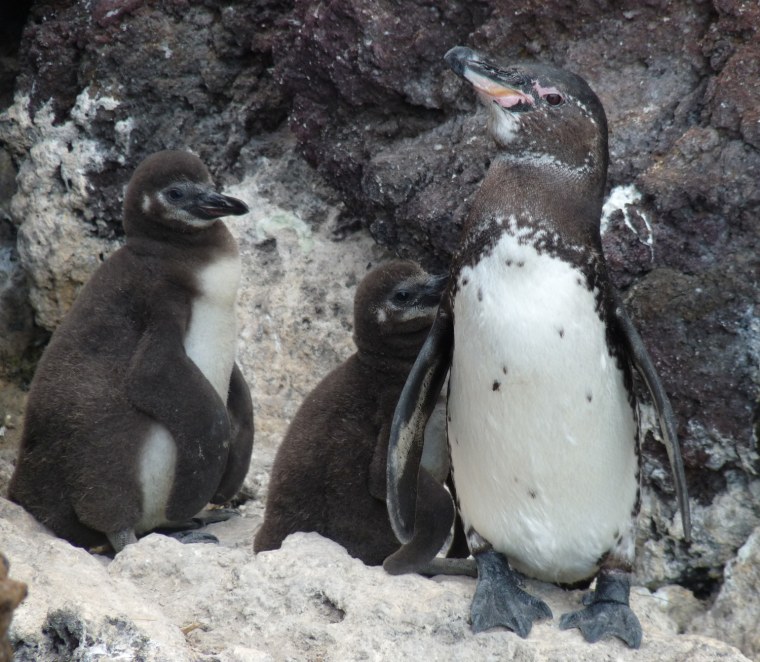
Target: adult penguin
(543,423)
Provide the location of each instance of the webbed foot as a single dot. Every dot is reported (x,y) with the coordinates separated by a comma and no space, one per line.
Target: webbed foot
(607,612)
(191,537)
(499,600)
(215,515)
(204,518)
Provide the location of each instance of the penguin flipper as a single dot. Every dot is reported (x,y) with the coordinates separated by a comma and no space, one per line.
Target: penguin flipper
(645,368)
(414,407)
(433,518)
(240,408)
(164,383)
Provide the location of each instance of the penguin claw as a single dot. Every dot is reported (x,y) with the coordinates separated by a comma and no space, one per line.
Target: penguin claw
(499,601)
(602,619)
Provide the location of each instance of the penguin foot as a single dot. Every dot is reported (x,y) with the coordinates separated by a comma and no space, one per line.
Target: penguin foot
(214,516)
(192,537)
(499,600)
(607,612)
(204,518)
(120,539)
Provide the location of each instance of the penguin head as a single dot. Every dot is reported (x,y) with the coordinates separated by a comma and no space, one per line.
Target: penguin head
(394,308)
(538,110)
(172,192)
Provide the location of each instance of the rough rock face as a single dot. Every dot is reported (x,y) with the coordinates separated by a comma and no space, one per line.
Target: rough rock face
(11,595)
(124,82)
(728,617)
(87,89)
(163,601)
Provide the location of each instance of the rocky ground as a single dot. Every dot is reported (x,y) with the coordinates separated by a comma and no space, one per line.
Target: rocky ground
(161,600)
(339,124)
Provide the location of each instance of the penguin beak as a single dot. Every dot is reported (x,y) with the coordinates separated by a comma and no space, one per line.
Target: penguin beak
(210,204)
(484,77)
(433,289)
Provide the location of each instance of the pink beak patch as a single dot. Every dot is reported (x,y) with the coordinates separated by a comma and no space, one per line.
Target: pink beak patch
(492,91)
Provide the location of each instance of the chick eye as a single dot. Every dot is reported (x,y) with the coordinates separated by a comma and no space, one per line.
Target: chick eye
(554,99)
(401,296)
(174,193)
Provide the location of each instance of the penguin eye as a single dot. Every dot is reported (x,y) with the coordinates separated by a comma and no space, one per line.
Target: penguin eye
(553,99)
(401,296)
(174,193)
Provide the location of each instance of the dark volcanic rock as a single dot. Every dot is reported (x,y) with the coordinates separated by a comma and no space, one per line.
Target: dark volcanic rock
(368,110)
(182,74)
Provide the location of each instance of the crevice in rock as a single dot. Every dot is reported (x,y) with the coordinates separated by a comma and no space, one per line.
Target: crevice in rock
(13,17)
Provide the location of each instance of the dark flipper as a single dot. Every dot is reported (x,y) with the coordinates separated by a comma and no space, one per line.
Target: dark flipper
(240,409)
(452,567)
(415,405)
(163,382)
(644,366)
(607,613)
(499,600)
(432,525)
(458,548)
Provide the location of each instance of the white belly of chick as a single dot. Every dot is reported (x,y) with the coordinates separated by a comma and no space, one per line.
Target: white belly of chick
(210,343)
(541,432)
(211,338)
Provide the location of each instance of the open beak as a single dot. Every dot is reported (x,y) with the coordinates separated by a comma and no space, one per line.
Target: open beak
(468,64)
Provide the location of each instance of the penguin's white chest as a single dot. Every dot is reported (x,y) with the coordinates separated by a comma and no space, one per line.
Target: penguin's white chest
(212,334)
(210,343)
(541,432)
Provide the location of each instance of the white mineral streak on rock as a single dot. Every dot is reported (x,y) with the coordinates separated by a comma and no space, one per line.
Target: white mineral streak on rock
(51,202)
(620,198)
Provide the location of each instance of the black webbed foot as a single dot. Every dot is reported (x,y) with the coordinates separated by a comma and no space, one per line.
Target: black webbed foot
(214,516)
(204,518)
(192,537)
(499,600)
(607,612)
